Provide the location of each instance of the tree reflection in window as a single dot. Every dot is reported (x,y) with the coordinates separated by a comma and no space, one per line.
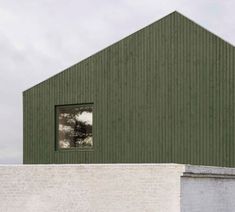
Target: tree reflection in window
(75,127)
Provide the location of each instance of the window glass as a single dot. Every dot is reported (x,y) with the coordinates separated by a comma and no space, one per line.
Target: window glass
(74,126)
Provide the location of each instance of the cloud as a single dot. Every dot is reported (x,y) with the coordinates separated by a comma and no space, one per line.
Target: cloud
(40,38)
(85,117)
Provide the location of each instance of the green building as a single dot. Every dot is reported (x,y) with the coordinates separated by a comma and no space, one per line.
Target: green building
(165,94)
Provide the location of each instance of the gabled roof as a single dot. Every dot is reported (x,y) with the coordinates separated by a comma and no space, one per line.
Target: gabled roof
(177,16)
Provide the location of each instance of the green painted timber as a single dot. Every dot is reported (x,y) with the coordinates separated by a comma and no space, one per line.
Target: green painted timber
(165,94)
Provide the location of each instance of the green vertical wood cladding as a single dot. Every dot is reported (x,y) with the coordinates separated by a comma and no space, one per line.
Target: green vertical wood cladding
(163,94)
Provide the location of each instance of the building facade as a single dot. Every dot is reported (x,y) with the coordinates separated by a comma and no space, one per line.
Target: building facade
(165,94)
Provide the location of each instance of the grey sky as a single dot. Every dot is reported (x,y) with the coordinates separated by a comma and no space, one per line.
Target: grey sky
(39,38)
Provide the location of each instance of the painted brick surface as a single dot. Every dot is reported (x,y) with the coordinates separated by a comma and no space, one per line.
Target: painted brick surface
(90,188)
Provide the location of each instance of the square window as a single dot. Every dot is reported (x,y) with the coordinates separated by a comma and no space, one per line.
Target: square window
(74,127)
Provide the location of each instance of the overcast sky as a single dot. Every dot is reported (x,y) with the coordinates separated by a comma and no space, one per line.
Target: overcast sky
(39,38)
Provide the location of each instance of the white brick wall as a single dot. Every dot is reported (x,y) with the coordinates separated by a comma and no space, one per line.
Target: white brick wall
(116,187)
(140,187)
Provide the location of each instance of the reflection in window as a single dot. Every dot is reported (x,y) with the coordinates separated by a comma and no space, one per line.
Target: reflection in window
(75,126)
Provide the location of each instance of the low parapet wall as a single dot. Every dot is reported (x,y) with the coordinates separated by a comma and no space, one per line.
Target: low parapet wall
(208,189)
(116,187)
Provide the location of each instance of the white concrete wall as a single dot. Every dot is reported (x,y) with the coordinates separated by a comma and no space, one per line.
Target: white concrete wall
(208,189)
(120,187)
